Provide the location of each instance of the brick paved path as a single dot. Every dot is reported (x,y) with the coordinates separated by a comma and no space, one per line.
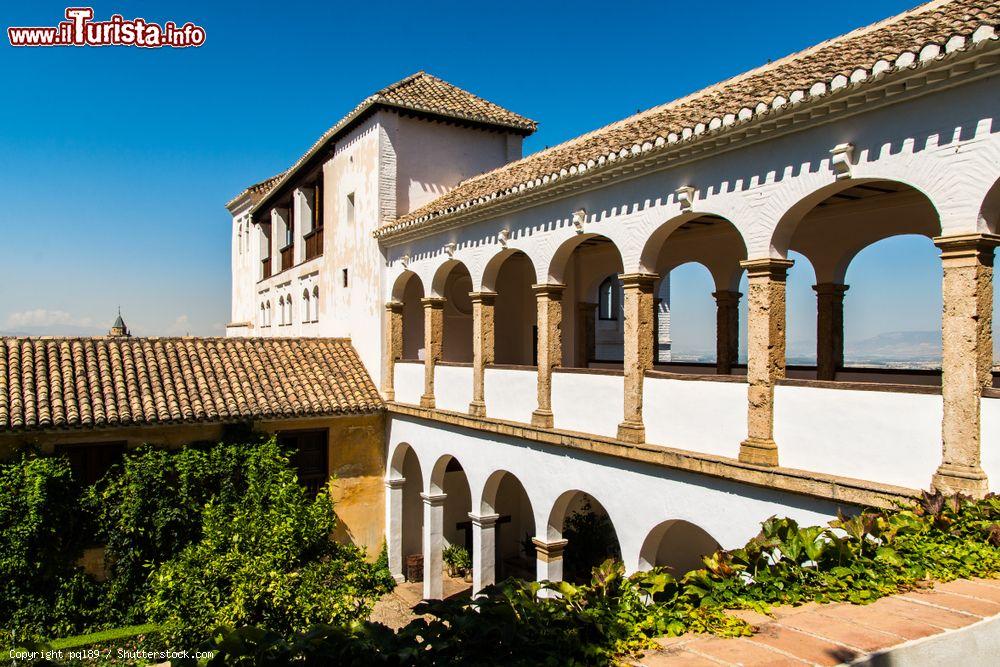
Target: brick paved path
(832,634)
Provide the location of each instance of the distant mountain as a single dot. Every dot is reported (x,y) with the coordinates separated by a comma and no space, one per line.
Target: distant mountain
(924,346)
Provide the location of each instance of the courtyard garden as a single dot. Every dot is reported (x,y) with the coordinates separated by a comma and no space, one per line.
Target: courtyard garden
(217,547)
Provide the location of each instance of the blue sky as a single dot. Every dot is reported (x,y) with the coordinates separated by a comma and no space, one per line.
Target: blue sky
(116,162)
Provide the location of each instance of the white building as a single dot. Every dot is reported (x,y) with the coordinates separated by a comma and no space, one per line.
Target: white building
(508,307)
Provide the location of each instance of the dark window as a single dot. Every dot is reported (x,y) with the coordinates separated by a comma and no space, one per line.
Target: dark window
(318,204)
(607,299)
(309,457)
(344,276)
(290,227)
(90,461)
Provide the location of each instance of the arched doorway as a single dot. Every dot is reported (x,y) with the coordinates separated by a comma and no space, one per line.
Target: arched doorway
(446,523)
(404,514)
(507,503)
(678,546)
(589,534)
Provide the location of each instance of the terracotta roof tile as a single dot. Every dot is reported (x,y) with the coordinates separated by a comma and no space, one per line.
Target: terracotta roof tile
(754,93)
(50,383)
(424,93)
(257,191)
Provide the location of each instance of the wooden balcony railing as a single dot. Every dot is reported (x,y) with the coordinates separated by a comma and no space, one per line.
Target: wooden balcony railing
(287,258)
(314,243)
(265,268)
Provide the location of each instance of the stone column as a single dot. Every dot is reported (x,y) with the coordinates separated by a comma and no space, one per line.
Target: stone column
(484,545)
(483,349)
(966,357)
(829,329)
(549,298)
(433,339)
(766,356)
(550,559)
(586,337)
(393,346)
(433,537)
(638,347)
(727,330)
(394,526)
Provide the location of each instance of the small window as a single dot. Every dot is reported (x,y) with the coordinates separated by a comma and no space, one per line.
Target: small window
(607,306)
(350,209)
(305,305)
(343,276)
(317,207)
(290,225)
(308,457)
(315,302)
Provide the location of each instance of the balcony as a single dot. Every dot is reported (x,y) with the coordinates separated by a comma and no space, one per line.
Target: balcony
(314,243)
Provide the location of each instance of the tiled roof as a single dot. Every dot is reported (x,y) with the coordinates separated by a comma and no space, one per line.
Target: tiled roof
(922,34)
(422,92)
(100,382)
(257,190)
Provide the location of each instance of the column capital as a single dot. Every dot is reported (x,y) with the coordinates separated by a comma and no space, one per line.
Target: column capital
(394,306)
(967,245)
(830,289)
(553,291)
(723,296)
(640,280)
(396,483)
(434,499)
(483,520)
(485,297)
(549,550)
(769,267)
(433,302)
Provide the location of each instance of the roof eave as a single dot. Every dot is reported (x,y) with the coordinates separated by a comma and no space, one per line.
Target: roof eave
(555,185)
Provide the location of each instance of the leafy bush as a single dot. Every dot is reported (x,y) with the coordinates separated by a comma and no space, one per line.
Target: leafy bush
(151,508)
(267,559)
(45,591)
(856,559)
(457,558)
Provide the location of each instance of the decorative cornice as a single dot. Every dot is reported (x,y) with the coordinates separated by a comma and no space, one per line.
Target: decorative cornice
(911,74)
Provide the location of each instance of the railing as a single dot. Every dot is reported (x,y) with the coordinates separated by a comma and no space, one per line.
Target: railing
(265,268)
(314,243)
(287,259)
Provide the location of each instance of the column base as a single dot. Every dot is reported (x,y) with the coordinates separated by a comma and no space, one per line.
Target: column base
(399,578)
(427,400)
(971,481)
(542,418)
(633,432)
(477,408)
(758,451)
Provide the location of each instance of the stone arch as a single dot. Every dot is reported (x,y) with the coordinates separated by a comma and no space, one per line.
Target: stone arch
(404,508)
(395,468)
(505,497)
(677,545)
(560,259)
(989,211)
(408,289)
(441,274)
(655,242)
(581,557)
(453,283)
(491,271)
(795,211)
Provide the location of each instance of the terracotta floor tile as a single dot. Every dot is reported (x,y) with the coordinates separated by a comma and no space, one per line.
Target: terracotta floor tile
(957,602)
(676,657)
(941,618)
(803,646)
(972,589)
(879,617)
(741,652)
(842,632)
(785,611)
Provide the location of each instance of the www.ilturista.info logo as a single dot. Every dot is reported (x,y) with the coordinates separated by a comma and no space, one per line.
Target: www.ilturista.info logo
(81,30)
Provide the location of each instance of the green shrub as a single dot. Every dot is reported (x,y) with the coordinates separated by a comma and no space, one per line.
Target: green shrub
(42,534)
(457,558)
(151,508)
(267,559)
